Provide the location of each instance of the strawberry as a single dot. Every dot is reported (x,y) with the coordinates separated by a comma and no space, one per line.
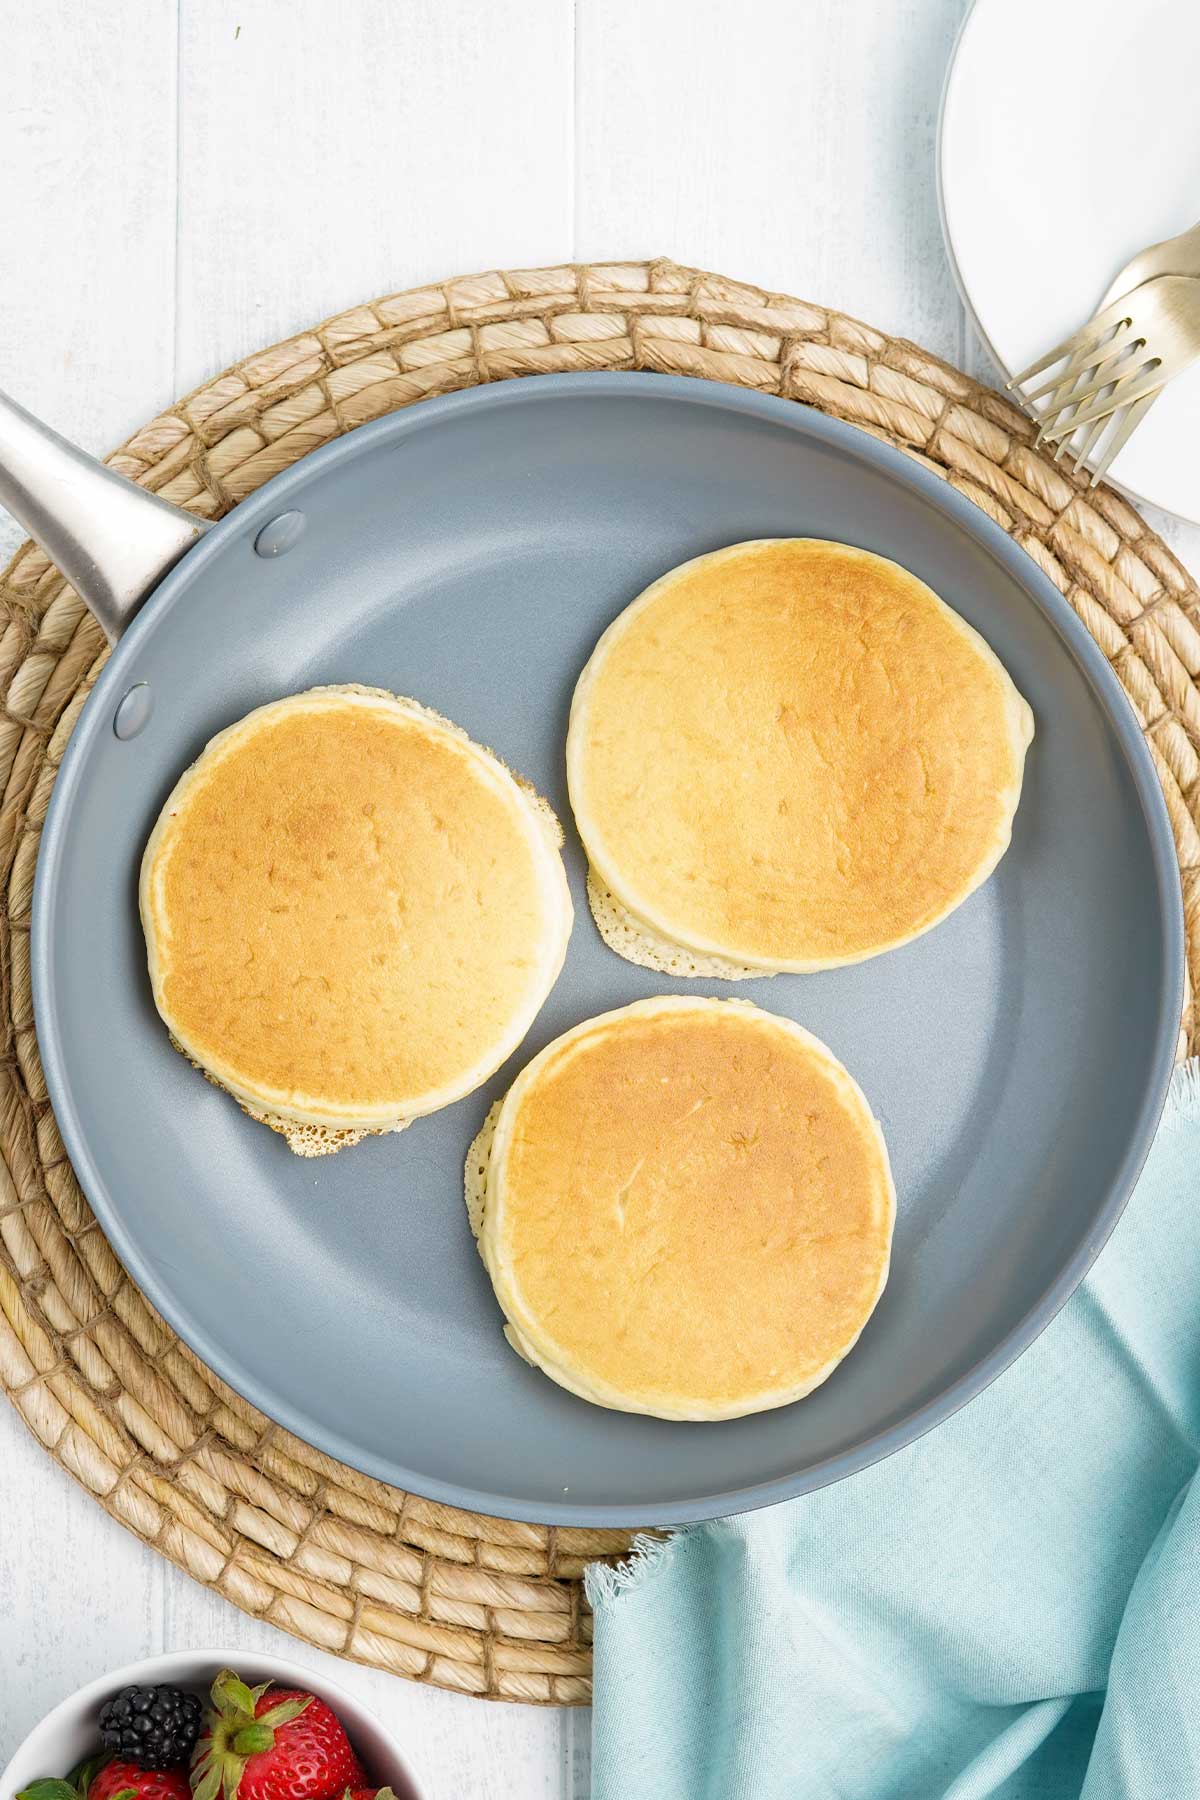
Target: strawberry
(368,1793)
(119,1780)
(271,1743)
(110,1778)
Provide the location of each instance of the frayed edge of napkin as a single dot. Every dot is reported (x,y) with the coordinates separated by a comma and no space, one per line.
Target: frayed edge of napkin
(605,1583)
(1183,1099)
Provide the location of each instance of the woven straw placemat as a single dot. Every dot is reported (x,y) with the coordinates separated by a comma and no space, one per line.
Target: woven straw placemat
(477,1604)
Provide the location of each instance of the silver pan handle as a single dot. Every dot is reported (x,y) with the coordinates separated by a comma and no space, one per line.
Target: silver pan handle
(112,540)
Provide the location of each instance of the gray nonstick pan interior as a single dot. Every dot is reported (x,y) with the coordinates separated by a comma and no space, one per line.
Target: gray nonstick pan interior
(469,552)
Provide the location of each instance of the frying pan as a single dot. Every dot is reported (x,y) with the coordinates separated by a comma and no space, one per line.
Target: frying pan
(469,552)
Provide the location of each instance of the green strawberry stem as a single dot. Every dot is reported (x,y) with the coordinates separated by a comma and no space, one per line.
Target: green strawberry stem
(233,1735)
(84,1773)
(73,1786)
(253,1739)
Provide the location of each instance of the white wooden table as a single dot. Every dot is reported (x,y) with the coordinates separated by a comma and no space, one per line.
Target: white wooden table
(184,181)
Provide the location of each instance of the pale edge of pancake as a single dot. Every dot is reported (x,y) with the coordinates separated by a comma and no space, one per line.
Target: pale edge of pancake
(307,1132)
(302,1140)
(484,1203)
(637,943)
(475,1179)
(626,926)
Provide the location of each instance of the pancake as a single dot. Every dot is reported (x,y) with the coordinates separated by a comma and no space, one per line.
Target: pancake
(790,754)
(352,913)
(686,1209)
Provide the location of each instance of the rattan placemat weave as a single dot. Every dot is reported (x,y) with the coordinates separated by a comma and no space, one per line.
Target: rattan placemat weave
(477,1604)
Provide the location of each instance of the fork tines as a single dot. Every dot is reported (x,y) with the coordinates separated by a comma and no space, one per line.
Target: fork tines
(1106,369)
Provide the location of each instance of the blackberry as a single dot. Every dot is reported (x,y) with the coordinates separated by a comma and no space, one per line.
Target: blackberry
(154,1727)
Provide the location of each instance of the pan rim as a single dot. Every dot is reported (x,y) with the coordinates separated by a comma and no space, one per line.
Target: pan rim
(1110,697)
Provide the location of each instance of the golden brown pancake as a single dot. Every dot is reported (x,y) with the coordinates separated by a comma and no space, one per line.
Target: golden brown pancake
(686,1209)
(352,913)
(789,754)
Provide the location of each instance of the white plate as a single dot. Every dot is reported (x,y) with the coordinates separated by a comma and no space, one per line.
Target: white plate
(1068,141)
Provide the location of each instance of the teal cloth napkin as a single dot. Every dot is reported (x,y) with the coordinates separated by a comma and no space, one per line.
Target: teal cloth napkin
(1009,1608)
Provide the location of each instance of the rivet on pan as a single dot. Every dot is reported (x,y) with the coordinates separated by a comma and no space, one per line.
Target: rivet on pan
(133,712)
(281,535)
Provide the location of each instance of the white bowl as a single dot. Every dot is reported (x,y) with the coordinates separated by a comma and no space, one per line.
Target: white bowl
(69,1733)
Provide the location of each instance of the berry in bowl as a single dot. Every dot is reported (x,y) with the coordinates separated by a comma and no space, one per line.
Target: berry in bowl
(186,1727)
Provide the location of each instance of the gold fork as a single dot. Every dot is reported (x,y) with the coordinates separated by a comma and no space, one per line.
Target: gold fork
(1172,256)
(1126,354)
